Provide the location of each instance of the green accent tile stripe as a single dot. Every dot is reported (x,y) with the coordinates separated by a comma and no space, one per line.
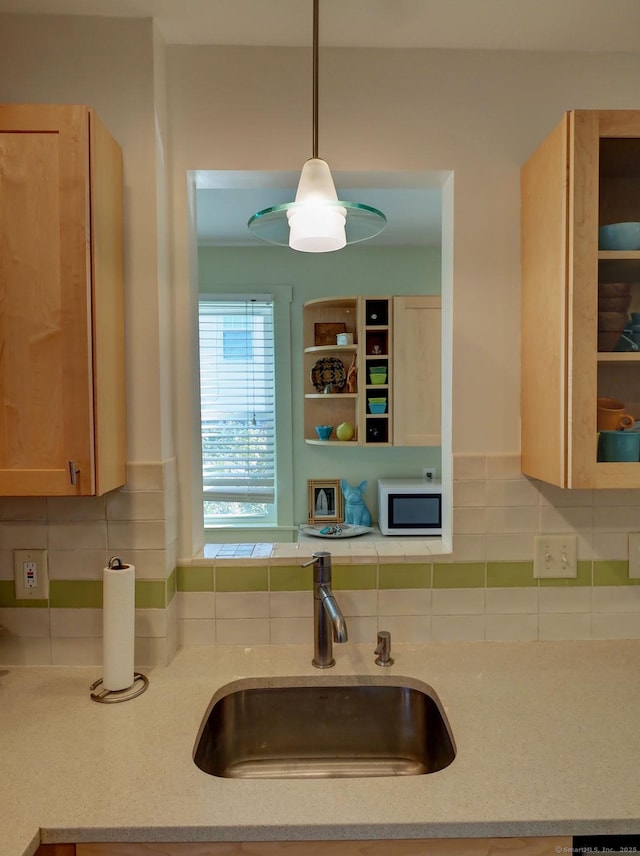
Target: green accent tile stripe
(76,594)
(405,576)
(241,578)
(458,575)
(194,579)
(290,578)
(510,575)
(354,577)
(151,594)
(612,573)
(584,577)
(171,586)
(8,597)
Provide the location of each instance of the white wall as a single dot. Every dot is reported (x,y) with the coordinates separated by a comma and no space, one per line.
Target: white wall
(477,113)
(107,64)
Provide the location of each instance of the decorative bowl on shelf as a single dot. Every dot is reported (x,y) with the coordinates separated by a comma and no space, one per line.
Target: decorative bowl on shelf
(378,379)
(324,431)
(378,408)
(619,236)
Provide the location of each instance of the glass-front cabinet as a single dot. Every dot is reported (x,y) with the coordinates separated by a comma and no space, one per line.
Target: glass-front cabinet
(580,326)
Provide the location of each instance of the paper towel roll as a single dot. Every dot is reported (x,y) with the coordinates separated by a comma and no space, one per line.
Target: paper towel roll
(118,626)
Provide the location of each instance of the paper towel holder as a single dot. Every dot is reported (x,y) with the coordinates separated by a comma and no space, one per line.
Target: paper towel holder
(140,681)
(139,685)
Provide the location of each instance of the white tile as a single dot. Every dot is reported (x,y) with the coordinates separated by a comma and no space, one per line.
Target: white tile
(291,604)
(457,601)
(469,548)
(616,599)
(152,652)
(469,521)
(77,564)
(241,604)
(197,631)
(75,508)
(615,626)
(469,467)
(509,548)
(502,465)
(504,628)
(292,631)
(24,536)
(564,626)
(612,518)
(22,622)
(457,628)
(87,535)
(136,505)
(556,496)
(26,651)
(398,602)
(357,603)
(28,508)
(196,604)
(622,497)
(76,623)
(412,629)
(610,545)
(508,492)
(145,475)
(469,494)
(139,535)
(504,601)
(565,599)
(512,520)
(151,622)
(149,564)
(80,651)
(564,518)
(242,631)
(362,629)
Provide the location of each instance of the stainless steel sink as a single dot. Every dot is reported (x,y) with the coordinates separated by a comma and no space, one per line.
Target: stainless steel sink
(324,728)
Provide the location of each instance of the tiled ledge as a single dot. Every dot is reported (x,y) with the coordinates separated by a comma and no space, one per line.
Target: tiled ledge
(362,550)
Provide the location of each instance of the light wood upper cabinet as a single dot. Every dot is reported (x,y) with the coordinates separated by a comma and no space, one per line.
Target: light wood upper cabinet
(584,175)
(417,361)
(62,405)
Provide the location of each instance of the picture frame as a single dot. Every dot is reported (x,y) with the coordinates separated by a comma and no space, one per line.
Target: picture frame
(325,501)
(325,332)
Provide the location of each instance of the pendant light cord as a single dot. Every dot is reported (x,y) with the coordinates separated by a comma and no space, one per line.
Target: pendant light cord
(316,17)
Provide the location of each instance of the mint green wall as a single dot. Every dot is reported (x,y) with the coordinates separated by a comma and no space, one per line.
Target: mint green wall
(354,271)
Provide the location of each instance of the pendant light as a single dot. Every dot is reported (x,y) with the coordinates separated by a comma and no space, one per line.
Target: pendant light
(317,221)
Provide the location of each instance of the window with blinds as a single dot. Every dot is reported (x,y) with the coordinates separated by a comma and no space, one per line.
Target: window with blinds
(237,404)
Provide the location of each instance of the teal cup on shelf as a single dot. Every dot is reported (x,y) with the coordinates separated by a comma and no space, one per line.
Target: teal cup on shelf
(619,446)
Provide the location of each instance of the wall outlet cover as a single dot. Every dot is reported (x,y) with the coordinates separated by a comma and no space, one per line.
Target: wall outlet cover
(31,574)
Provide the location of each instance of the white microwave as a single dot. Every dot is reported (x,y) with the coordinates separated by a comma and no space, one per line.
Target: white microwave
(410,507)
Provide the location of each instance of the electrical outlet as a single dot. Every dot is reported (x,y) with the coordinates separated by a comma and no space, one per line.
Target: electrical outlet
(429,473)
(555,556)
(31,575)
(634,555)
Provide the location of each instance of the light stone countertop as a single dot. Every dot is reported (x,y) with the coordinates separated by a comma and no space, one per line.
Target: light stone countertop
(547,735)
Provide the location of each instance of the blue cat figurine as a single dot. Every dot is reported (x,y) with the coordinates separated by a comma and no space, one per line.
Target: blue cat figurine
(356,512)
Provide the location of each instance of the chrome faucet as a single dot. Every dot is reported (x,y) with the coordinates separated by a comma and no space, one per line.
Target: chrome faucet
(328,620)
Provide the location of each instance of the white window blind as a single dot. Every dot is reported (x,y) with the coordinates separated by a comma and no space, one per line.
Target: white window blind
(237,396)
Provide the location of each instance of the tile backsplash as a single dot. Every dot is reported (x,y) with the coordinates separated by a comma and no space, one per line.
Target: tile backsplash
(484,591)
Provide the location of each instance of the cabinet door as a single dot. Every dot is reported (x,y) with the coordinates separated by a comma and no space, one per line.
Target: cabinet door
(585,175)
(417,367)
(48,253)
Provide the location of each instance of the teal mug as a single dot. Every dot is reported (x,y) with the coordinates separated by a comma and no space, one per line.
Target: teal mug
(619,446)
